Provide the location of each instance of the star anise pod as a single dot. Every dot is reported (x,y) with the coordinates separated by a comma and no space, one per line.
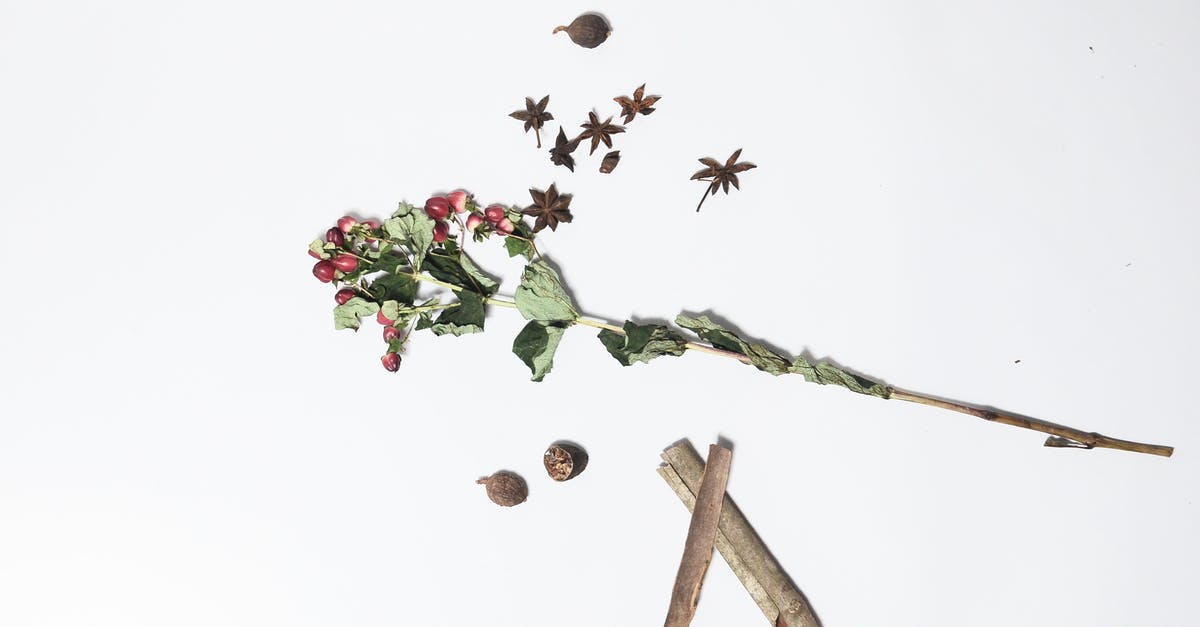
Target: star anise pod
(534,116)
(610,162)
(560,154)
(599,132)
(720,176)
(630,107)
(549,207)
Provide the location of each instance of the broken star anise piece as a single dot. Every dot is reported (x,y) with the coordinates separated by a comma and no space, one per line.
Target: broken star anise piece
(720,176)
(598,132)
(560,154)
(610,162)
(549,207)
(534,116)
(630,107)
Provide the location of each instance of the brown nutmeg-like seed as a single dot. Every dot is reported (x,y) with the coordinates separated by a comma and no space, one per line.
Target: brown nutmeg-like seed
(588,30)
(505,488)
(564,461)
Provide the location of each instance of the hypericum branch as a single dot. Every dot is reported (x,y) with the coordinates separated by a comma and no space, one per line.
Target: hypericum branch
(380,267)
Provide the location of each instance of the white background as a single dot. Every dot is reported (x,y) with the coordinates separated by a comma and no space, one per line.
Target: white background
(992,202)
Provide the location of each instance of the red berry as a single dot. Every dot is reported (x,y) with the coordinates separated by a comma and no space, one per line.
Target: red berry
(384,320)
(505,226)
(334,236)
(437,208)
(494,213)
(474,220)
(390,333)
(345,262)
(441,231)
(391,361)
(458,200)
(324,271)
(345,223)
(343,295)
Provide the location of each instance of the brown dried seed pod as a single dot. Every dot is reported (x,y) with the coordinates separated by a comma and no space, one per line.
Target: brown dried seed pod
(610,162)
(506,488)
(564,461)
(588,30)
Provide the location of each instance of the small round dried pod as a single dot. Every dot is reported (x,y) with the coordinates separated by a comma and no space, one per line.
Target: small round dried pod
(564,461)
(588,30)
(505,488)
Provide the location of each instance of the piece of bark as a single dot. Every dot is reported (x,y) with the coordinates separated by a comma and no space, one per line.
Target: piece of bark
(762,576)
(702,533)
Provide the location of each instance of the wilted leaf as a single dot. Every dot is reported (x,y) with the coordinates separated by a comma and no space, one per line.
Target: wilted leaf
(641,343)
(826,373)
(540,296)
(535,345)
(762,357)
(457,269)
(411,225)
(348,315)
(464,319)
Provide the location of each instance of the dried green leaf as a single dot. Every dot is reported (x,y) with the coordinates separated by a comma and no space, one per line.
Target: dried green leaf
(397,287)
(517,246)
(464,319)
(535,345)
(348,314)
(392,310)
(826,373)
(388,261)
(318,246)
(540,296)
(411,225)
(641,343)
(760,356)
(452,266)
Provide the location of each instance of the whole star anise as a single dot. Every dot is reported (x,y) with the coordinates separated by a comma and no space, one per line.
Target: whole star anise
(534,116)
(549,207)
(598,132)
(560,154)
(720,176)
(630,107)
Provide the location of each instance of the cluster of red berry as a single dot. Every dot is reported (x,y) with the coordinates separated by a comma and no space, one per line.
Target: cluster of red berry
(326,269)
(336,258)
(438,208)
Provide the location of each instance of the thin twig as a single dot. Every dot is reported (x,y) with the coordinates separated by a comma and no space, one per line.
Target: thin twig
(1061,437)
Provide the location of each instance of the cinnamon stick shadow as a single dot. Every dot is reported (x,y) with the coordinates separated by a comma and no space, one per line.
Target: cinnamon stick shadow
(781,601)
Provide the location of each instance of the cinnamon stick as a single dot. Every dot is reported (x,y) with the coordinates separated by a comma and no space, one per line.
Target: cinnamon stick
(702,533)
(780,600)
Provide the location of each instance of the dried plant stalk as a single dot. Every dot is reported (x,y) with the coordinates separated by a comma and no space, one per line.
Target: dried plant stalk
(702,533)
(780,600)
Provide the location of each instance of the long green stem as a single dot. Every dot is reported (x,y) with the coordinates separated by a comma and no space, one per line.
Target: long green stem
(1060,436)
